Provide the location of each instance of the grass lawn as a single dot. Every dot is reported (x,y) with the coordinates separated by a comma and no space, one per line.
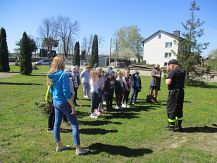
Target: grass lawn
(131,135)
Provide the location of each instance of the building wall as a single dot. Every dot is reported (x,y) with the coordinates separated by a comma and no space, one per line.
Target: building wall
(154,50)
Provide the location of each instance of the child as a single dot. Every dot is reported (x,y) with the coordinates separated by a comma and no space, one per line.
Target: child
(127,86)
(109,89)
(94,88)
(155,82)
(137,86)
(74,76)
(101,87)
(119,85)
(49,100)
(85,77)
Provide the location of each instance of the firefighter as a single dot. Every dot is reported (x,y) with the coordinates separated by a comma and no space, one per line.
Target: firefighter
(175,82)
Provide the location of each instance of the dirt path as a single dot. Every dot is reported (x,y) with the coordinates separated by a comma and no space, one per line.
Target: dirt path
(6,74)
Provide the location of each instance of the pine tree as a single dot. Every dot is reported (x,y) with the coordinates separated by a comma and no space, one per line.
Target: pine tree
(4,62)
(190,48)
(25,55)
(76,56)
(94,53)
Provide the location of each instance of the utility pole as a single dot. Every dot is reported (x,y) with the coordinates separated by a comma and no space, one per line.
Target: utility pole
(110,52)
(116,52)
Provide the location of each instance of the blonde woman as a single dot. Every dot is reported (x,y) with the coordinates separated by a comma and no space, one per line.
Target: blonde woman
(63,103)
(94,91)
(127,85)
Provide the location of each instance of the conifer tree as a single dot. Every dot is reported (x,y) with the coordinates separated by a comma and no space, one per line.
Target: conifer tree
(25,55)
(94,53)
(4,62)
(76,56)
(190,48)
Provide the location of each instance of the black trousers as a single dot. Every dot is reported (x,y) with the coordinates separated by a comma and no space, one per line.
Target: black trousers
(175,105)
(76,92)
(109,98)
(51,115)
(126,96)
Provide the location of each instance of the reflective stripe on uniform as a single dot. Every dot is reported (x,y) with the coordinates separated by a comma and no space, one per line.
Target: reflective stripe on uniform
(172,120)
(179,119)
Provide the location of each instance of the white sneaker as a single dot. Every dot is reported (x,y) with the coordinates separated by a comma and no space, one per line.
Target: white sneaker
(85,96)
(128,106)
(97,113)
(61,147)
(93,115)
(104,103)
(116,107)
(123,105)
(81,151)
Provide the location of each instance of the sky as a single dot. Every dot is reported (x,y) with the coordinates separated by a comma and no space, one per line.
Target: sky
(105,17)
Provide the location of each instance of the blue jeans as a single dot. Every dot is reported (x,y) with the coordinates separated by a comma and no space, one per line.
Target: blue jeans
(86,89)
(60,110)
(134,95)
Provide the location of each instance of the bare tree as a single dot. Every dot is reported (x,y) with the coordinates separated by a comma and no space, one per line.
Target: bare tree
(65,31)
(48,33)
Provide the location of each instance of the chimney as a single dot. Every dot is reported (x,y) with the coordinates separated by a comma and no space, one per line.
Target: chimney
(176,33)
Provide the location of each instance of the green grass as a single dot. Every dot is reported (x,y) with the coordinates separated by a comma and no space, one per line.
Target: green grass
(133,135)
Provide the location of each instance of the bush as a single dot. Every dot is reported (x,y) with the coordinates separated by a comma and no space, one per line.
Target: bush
(34,67)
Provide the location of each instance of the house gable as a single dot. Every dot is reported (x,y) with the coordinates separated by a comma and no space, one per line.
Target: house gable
(160,32)
(160,47)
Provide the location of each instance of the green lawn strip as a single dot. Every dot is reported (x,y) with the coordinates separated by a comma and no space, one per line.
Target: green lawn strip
(131,135)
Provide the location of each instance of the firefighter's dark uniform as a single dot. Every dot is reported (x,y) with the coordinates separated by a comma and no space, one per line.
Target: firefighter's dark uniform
(176,97)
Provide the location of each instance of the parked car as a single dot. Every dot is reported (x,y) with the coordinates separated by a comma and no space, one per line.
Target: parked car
(44,62)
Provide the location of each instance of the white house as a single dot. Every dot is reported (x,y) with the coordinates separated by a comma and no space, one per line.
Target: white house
(161,47)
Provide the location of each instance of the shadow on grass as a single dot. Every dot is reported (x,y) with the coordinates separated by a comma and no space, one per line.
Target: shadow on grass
(118,150)
(96,131)
(14,72)
(98,123)
(83,105)
(135,108)
(81,114)
(121,115)
(11,83)
(204,129)
(38,74)
(90,131)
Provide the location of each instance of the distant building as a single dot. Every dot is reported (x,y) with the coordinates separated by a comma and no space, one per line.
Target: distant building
(103,60)
(161,47)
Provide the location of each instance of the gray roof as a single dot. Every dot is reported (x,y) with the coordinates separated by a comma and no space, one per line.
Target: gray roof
(159,32)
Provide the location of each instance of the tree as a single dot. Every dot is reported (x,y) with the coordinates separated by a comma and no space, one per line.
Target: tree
(86,44)
(76,56)
(190,48)
(25,55)
(4,62)
(94,53)
(213,54)
(58,29)
(83,55)
(32,42)
(65,31)
(48,33)
(129,42)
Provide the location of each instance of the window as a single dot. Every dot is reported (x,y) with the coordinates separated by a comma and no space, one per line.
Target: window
(168,45)
(167,55)
(159,36)
(165,64)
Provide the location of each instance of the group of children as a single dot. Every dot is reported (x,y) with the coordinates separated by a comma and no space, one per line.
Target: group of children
(104,85)
(100,87)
